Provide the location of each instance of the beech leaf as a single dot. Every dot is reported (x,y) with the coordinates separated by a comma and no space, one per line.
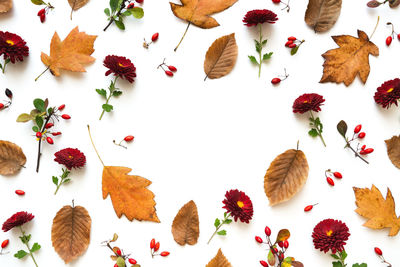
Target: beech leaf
(185,227)
(343,64)
(393,150)
(12,158)
(286,175)
(76,4)
(380,213)
(321,15)
(219,261)
(5,5)
(70,233)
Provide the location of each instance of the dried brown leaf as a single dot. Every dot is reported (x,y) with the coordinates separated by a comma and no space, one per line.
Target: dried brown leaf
(185,227)
(219,261)
(351,58)
(221,57)
(393,150)
(76,4)
(12,158)
(70,233)
(5,5)
(286,175)
(297,264)
(283,235)
(380,213)
(321,15)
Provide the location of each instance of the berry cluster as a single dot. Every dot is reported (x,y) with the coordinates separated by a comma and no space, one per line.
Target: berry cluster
(154,247)
(43,12)
(8,103)
(118,256)
(278,80)
(154,38)
(287,7)
(390,38)
(329,174)
(127,139)
(43,133)
(168,69)
(378,252)
(4,244)
(294,44)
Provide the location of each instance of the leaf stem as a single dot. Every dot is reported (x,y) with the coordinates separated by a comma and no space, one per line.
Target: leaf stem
(63,177)
(27,245)
(94,146)
(376,26)
(224,221)
(40,140)
(3,68)
(259,66)
(355,152)
(42,73)
(184,34)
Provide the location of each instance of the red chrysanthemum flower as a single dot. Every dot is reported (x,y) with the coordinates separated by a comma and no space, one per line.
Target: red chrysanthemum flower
(259,16)
(388,93)
(16,220)
(121,67)
(331,235)
(238,205)
(12,47)
(308,102)
(70,158)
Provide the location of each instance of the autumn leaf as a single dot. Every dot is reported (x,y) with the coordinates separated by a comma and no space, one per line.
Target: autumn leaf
(219,261)
(76,4)
(12,159)
(71,53)
(379,212)
(343,64)
(297,264)
(185,227)
(283,235)
(221,57)
(286,175)
(198,12)
(393,150)
(321,15)
(5,5)
(70,233)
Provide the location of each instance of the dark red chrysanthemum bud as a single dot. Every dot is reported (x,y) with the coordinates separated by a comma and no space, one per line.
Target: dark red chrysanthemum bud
(330,181)
(267,231)
(19,192)
(132,261)
(164,254)
(172,68)
(276,80)
(357,129)
(281,256)
(169,73)
(60,108)
(280,244)
(65,116)
(129,138)
(49,140)
(361,135)
(378,251)
(5,243)
(264,263)
(154,37)
(338,175)
(259,239)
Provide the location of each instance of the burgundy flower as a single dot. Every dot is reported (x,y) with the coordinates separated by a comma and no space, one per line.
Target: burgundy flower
(308,102)
(388,93)
(331,235)
(12,47)
(70,158)
(121,67)
(259,16)
(16,220)
(239,205)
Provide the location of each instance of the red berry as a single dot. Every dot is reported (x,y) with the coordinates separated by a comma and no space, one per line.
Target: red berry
(61,107)
(389,40)
(164,254)
(378,251)
(43,18)
(281,256)
(139,1)
(129,138)
(363,147)
(292,38)
(308,208)
(115,265)
(132,261)
(1,105)
(276,1)
(259,239)
(65,116)
(275,251)
(292,45)
(361,135)
(152,243)
(288,43)
(19,192)
(49,140)
(330,181)
(280,244)
(118,252)
(369,150)
(362,152)
(338,175)
(267,231)
(264,263)
(169,73)
(357,129)
(398,36)
(49,125)
(131,5)
(285,244)
(275,80)
(41,12)
(56,133)
(38,134)
(157,246)
(172,68)
(154,37)
(5,243)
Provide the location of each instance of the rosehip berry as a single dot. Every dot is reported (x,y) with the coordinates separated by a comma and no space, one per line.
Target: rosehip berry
(115,265)
(292,45)
(378,251)
(42,18)
(49,140)
(369,150)
(41,12)
(275,251)
(398,36)
(172,68)
(129,138)
(131,5)
(288,43)
(362,152)
(164,254)
(357,129)
(139,1)
(157,246)
(276,80)
(361,135)
(267,231)
(389,40)
(264,263)
(132,261)
(19,192)
(281,256)
(330,181)
(152,243)
(5,243)
(9,94)
(49,125)
(169,73)
(56,133)
(38,134)
(118,252)
(276,1)
(65,116)
(154,37)
(60,108)
(280,244)
(259,239)
(285,244)
(1,105)
(308,208)
(338,175)
(292,38)
(363,147)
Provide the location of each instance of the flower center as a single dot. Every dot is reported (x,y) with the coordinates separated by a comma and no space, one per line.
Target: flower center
(70,157)
(10,42)
(240,204)
(329,233)
(305,101)
(390,90)
(119,64)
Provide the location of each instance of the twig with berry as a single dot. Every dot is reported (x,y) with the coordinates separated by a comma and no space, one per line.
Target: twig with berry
(357,135)
(154,38)
(43,12)
(294,44)
(287,7)
(4,244)
(379,252)
(277,80)
(390,38)
(168,69)
(43,118)
(154,247)
(8,102)
(119,10)
(329,174)
(118,255)
(127,139)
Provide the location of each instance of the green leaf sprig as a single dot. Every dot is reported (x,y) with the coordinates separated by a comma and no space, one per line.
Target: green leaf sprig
(25,240)
(64,179)
(340,257)
(316,127)
(259,44)
(113,91)
(119,9)
(219,223)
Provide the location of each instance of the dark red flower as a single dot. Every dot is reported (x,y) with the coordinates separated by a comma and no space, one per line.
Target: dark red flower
(121,67)
(16,220)
(238,205)
(70,158)
(308,102)
(259,16)
(12,47)
(388,93)
(331,235)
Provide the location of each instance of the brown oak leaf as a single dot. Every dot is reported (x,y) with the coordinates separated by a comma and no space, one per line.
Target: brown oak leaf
(129,194)
(393,150)
(351,58)
(321,15)
(76,4)
(71,53)
(70,233)
(379,212)
(12,158)
(219,261)
(5,5)
(185,227)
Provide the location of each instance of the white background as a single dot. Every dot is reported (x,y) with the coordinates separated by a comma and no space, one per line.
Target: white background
(195,139)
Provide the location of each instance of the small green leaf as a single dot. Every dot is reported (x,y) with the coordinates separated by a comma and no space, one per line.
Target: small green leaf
(126,13)
(267,56)
(120,24)
(137,12)
(38,2)
(66,181)
(343,254)
(35,247)
(217,222)
(35,129)
(39,104)
(222,232)
(39,121)
(337,264)
(114,5)
(335,256)
(117,93)
(107,107)
(24,117)
(253,59)
(264,42)
(294,50)
(313,132)
(55,180)
(360,265)
(102,92)
(107,12)
(228,221)
(120,262)
(50,110)
(258,47)
(20,254)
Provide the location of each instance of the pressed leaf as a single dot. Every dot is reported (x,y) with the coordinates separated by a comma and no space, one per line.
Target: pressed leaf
(185,227)
(321,15)
(70,233)
(5,5)
(129,194)
(283,235)
(219,261)
(343,64)
(221,57)
(342,128)
(285,176)
(71,53)
(76,4)
(24,117)
(380,212)
(12,159)
(393,150)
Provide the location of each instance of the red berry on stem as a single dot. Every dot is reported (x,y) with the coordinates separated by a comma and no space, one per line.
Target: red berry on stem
(378,251)
(361,135)
(276,80)
(281,256)
(169,73)
(285,244)
(129,138)
(56,133)
(264,263)
(276,1)
(60,108)
(398,36)
(38,134)
(132,261)
(154,37)
(338,175)
(157,246)
(41,12)
(292,45)
(330,181)
(362,152)
(288,43)
(1,105)
(357,129)
(131,5)
(308,208)
(118,252)
(65,116)
(164,254)
(116,265)
(172,68)
(363,147)
(43,18)
(139,1)
(49,140)
(267,231)
(292,38)
(5,243)
(369,150)
(275,251)
(49,125)
(259,239)
(389,40)
(280,244)
(152,243)
(19,192)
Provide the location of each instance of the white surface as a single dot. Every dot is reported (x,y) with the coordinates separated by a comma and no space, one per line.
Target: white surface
(196,139)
